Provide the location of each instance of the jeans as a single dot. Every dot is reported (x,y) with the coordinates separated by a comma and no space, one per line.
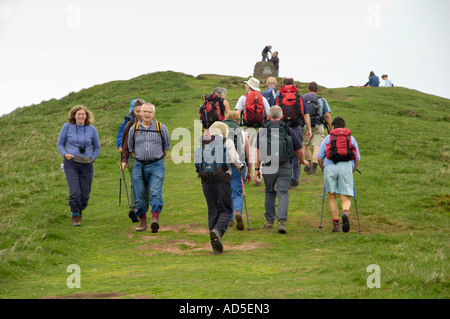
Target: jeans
(148,177)
(295,170)
(79,179)
(282,181)
(236,189)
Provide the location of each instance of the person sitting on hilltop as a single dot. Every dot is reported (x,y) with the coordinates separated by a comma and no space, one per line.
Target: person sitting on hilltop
(387,82)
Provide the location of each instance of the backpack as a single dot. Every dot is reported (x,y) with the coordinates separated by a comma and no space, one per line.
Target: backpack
(340,147)
(292,105)
(313,108)
(254,114)
(209,163)
(235,134)
(211,110)
(158,130)
(270,137)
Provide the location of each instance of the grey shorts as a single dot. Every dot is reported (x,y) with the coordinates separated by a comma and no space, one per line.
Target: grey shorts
(338,178)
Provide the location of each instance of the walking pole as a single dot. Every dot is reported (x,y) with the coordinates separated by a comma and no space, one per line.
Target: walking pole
(120,189)
(356,205)
(245,203)
(126,189)
(321,214)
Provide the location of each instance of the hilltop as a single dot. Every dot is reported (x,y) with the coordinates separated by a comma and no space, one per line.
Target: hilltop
(403,198)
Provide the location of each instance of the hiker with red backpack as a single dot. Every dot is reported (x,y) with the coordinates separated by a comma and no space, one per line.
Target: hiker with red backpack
(295,115)
(253,110)
(338,158)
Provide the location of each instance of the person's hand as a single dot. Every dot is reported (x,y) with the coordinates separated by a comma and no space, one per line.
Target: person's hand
(248,178)
(122,166)
(306,163)
(257,175)
(308,135)
(68,156)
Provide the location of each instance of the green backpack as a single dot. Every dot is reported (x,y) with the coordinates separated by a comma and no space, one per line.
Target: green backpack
(276,133)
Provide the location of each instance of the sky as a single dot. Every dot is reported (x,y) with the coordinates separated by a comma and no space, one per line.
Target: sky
(50,48)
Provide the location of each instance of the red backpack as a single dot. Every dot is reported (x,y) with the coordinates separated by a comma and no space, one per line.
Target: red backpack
(340,147)
(254,114)
(210,111)
(292,105)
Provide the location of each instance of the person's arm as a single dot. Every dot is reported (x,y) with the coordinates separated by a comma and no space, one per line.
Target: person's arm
(95,143)
(248,176)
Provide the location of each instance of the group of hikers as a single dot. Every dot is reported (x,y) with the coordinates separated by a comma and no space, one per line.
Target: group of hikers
(266,137)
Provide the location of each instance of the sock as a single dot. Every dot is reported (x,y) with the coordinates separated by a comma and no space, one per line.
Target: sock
(336,220)
(75,214)
(345,211)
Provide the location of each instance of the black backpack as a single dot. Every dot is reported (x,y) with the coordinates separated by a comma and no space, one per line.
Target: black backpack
(313,108)
(276,133)
(210,164)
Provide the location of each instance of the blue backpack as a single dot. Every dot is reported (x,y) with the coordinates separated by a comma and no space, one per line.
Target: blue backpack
(211,158)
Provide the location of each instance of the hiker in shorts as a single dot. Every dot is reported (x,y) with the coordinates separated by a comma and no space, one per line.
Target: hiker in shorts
(276,169)
(319,114)
(216,185)
(150,145)
(252,128)
(241,144)
(79,144)
(338,177)
(127,159)
(265,52)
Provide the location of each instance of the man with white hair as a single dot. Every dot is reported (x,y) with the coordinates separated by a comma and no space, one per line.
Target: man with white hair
(252,87)
(150,142)
(276,167)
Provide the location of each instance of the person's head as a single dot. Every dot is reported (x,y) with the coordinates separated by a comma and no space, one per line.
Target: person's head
(138,112)
(338,122)
(288,81)
(371,73)
(233,115)
(137,105)
(271,81)
(270,47)
(275,113)
(148,112)
(80,115)
(252,85)
(275,53)
(220,92)
(313,87)
(218,128)
(384,77)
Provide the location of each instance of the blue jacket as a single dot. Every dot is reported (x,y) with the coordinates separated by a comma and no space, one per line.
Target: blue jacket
(374,81)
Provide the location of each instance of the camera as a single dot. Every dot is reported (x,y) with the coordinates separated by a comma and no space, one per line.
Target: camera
(82,149)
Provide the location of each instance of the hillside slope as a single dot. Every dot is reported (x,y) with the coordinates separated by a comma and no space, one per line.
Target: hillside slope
(403,198)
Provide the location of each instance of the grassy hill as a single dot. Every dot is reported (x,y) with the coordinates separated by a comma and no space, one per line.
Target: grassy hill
(403,199)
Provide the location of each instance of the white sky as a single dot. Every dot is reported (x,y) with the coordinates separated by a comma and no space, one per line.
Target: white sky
(49,48)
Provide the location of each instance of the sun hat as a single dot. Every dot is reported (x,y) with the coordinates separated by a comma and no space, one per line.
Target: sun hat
(253,83)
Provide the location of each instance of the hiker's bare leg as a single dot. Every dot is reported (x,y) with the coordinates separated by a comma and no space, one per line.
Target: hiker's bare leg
(333,205)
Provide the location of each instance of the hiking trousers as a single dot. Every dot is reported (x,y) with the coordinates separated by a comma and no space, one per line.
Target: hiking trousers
(282,180)
(218,200)
(79,179)
(295,170)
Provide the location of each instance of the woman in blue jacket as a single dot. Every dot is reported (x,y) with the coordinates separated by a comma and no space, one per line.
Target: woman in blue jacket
(79,144)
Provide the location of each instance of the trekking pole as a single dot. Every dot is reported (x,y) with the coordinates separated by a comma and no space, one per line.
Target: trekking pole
(245,203)
(120,189)
(126,189)
(356,205)
(321,214)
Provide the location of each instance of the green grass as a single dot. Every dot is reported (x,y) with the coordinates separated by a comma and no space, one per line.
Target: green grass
(403,199)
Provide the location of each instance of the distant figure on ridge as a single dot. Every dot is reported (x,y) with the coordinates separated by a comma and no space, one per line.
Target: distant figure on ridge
(265,52)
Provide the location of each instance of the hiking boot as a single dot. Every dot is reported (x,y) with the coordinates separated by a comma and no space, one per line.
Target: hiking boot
(230,224)
(336,227)
(239,220)
(132,216)
(155,222)
(306,168)
(76,221)
(345,222)
(294,183)
(312,170)
(142,225)
(268,224)
(282,226)
(216,242)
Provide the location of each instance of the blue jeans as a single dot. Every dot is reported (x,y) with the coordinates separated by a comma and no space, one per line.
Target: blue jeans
(236,189)
(144,178)
(295,167)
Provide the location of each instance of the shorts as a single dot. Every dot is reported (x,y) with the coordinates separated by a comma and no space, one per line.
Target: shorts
(317,136)
(338,178)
